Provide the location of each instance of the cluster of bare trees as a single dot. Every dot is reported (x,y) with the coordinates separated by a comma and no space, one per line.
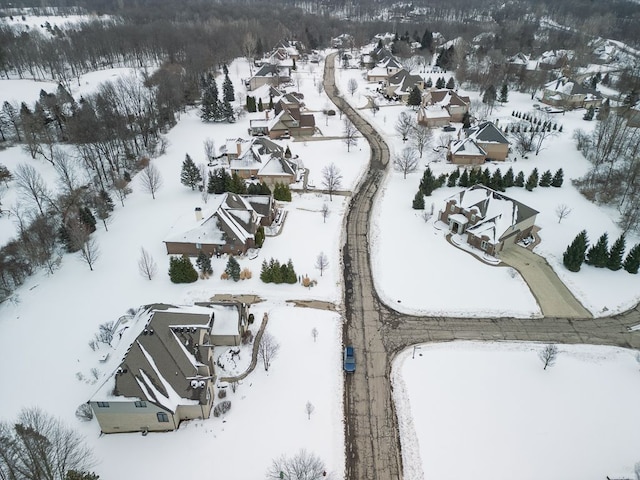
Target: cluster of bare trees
(614,178)
(37,445)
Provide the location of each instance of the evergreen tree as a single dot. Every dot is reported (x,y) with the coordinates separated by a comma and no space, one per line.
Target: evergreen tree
(466,120)
(532,180)
(203,262)
(598,254)
(440,82)
(219,181)
(453,178)
(415,97)
(497,182)
(473,176)
(237,184)
(632,262)
(233,269)
(251,104)
(429,83)
(426,43)
(546,179)
(464,179)
(87,219)
(260,105)
(228,92)
(259,236)
(589,113)
(615,255)
(226,112)
(289,273)
(282,192)
(190,175)
(508,179)
(181,270)
(558,178)
(418,201)
(490,95)
(451,83)
(287,152)
(265,273)
(485,178)
(271,106)
(210,103)
(276,271)
(519,182)
(428,183)
(504,93)
(575,253)
(258,189)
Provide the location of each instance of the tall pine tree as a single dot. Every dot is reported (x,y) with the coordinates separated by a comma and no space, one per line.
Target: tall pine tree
(190,175)
(615,255)
(598,254)
(632,261)
(574,254)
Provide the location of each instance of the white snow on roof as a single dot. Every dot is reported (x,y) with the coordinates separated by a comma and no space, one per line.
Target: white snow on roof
(467,147)
(195,309)
(186,352)
(225,320)
(459,218)
(171,401)
(435,113)
(377,72)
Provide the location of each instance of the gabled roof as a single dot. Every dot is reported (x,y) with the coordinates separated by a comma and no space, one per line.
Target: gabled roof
(403,81)
(444,97)
(467,147)
(486,132)
(569,87)
(230,219)
(389,62)
(495,212)
(278,167)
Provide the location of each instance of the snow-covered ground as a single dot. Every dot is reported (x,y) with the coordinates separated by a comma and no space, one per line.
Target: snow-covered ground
(63,310)
(490,411)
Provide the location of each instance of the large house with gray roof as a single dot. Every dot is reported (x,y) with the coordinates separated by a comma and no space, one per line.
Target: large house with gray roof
(489,220)
(229,225)
(167,375)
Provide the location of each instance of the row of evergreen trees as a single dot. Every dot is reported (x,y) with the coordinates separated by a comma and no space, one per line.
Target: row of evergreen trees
(212,109)
(252,106)
(600,255)
(274,272)
(495,181)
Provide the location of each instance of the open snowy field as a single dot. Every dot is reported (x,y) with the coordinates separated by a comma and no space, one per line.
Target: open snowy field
(417,271)
(490,411)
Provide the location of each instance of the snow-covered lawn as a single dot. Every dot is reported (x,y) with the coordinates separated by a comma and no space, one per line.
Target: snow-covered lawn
(416,271)
(490,411)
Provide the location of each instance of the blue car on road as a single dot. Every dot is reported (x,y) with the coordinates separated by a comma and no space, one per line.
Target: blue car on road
(349,360)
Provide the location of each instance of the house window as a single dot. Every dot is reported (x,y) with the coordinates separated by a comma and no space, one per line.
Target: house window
(452,208)
(141,404)
(103,404)
(198,246)
(484,244)
(162,417)
(473,217)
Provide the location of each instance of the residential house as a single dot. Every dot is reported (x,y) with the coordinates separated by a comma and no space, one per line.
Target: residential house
(260,158)
(269,74)
(287,121)
(489,220)
(570,94)
(518,62)
(167,374)
(466,152)
(488,137)
(554,59)
(384,69)
(401,83)
(442,106)
(228,225)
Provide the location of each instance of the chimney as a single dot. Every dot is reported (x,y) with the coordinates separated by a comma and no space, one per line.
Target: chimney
(198,214)
(238,148)
(266,114)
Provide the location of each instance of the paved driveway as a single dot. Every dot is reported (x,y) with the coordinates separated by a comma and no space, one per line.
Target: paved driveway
(554,298)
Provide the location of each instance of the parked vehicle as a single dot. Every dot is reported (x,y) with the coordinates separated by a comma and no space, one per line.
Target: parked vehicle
(449,128)
(349,359)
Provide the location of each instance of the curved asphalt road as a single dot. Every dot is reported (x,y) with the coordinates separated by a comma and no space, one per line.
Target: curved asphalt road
(378,332)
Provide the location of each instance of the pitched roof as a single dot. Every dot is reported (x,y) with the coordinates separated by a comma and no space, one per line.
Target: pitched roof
(486,132)
(403,81)
(444,97)
(496,213)
(467,147)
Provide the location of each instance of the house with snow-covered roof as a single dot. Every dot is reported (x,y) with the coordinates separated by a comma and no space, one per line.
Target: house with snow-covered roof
(488,137)
(269,74)
(167,375)
(466,152)
(401,83)
(384,68)
(441,106)
(488,220)
(262,159)
(570,94)
(228,225)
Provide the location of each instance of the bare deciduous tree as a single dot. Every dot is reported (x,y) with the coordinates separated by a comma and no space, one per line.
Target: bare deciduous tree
(331,179)
(309,408)
(249,47)
(146,264)
(405,124)
(151,179)
(302,466)
(444,139)
(350,131)
(420,137)
(319,86)
(122,189)
(548,355)
(32,186)
(314,334)
(406,161)
(325,212)
(90,252)
(268,349)
(352,86)
(322,262)
(37,445)
(209,151)
(66,170)
(562,211)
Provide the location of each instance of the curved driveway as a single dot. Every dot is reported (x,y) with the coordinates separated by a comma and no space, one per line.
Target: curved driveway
(378,332)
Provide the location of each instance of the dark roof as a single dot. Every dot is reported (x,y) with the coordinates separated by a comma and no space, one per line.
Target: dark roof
(486,132)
